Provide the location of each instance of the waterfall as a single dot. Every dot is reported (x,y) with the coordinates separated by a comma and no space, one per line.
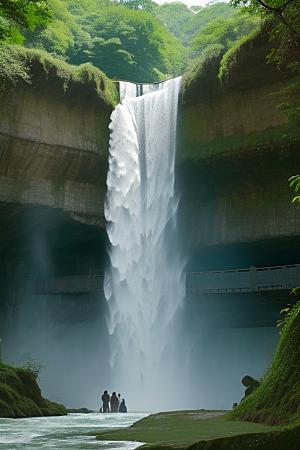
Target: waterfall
(144,286)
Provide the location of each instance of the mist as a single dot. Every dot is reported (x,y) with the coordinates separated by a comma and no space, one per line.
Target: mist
(178,352)
(69,336)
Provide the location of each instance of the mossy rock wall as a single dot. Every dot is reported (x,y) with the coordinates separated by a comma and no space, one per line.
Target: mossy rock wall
(236,152)
(21,396)
(54,140)
(241,107)
(277,400)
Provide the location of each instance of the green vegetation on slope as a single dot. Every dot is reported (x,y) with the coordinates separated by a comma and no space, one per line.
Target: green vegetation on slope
(184,23)
(135,40)
(220,37)
(175,16)
(206,15)
(124,43)
(285,439)
(17,63)
(282,138)
(181,427)
(20,395)
(277,400)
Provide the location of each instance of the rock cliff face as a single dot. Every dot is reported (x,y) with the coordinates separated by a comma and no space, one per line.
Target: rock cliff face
(242,103)
(53,148)
(236,153)
(53,166)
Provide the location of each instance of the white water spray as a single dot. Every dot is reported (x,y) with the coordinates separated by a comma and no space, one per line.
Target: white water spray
(144,286)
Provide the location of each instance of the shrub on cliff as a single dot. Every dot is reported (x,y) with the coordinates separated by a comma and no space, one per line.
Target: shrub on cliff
(277,399)
(20,395)
(19,63)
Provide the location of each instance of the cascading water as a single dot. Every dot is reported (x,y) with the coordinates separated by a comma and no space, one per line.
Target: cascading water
(144,285)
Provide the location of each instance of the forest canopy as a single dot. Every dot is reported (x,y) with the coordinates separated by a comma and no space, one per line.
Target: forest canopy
(123,41)
(142,41)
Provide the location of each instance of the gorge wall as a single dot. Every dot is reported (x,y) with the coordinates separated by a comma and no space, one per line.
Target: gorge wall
(54,144)
(236,152)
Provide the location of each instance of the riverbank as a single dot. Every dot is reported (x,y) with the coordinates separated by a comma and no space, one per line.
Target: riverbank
(20,394)
(203,430)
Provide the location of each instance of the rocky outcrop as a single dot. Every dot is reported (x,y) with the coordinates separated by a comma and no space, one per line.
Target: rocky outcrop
(21,396)
(54,145)
(236,152)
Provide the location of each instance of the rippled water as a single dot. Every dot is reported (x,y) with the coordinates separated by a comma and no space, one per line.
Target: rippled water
(66,432)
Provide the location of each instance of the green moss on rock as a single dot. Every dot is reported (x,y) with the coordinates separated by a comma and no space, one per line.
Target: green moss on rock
(20,395)
(41,69)
(274,440)
(277,400)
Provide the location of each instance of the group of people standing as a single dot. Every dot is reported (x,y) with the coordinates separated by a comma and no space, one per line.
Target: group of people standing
(112,403)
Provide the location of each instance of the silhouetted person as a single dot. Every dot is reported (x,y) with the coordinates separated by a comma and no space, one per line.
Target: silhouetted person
(123,407)
(105,399)
(114,402)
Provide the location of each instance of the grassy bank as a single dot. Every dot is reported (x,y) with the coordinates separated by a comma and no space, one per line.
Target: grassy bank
(277,400)
(268,419)
(20,395)
(179,429)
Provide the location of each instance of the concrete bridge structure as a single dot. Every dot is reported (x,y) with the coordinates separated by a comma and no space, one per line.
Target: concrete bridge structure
(214,282)
(243,298)
(231,298)
(244,280)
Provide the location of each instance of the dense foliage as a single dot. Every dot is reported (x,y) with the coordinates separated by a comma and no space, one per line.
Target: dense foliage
(217,39)
(29,14)
(123,42)
(84,80)
(224,32)
(205,16)
(142,41)
(136,40)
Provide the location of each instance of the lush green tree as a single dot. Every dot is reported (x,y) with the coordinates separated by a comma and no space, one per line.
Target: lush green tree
(283,17)
(124,43)
(224,31)
(204,16)
(146,5)
(128,39)
(16,14)
(82,9)
(133,45)
(63,37)
(174,16)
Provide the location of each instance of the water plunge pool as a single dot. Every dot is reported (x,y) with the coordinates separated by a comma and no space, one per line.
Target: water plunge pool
(65,432)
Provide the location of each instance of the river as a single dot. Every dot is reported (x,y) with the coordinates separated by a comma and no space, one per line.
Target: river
(65,432)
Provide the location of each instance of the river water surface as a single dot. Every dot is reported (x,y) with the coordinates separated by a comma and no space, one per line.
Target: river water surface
(65,432)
